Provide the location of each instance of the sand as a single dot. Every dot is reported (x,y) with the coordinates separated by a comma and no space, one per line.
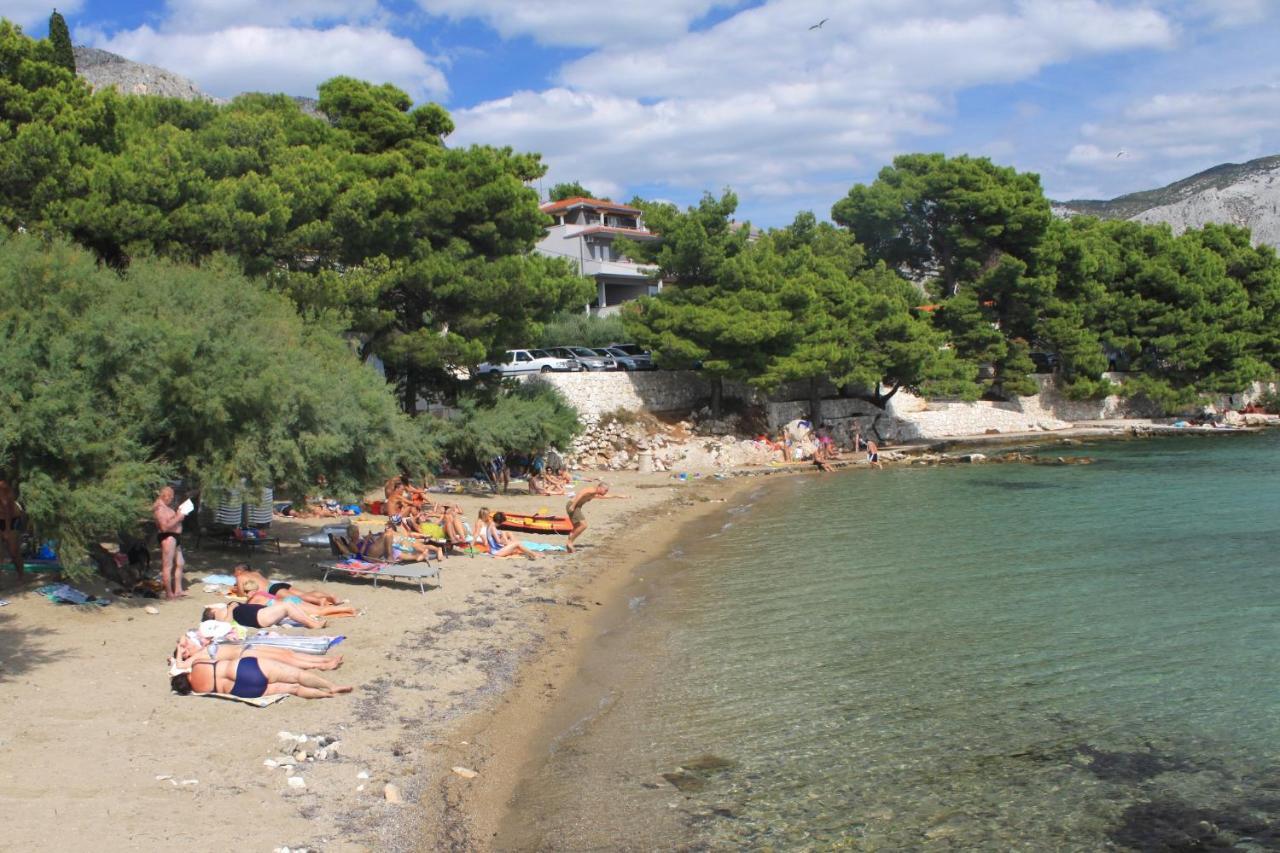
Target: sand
(95,749)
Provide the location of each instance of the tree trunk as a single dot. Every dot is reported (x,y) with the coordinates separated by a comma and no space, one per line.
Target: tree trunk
(717,395)
(881,400)
(815,402)
(410,401)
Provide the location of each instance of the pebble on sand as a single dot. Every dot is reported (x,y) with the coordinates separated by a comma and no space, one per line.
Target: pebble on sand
(297,782)
(465,772)
(154,611)
(392,793)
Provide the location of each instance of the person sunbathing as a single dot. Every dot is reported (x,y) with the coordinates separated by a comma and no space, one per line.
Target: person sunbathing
(329,611)
(245,575)
(192,647)
(541,484)
(260,615)
(501,543)
(409,546)
(251,676)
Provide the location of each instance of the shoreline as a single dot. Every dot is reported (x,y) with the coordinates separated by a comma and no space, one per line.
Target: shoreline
(512,734)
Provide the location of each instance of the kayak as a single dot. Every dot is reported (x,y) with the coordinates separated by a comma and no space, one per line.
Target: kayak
(537,523)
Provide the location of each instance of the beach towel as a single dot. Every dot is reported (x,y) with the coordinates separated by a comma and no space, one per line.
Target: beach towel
(259,702)
(61,593)
(304,645)
(543,547)
(221,580)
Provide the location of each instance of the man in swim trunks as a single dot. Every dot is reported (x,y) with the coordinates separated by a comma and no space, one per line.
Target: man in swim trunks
(12,523)
(169,524)
(575,505)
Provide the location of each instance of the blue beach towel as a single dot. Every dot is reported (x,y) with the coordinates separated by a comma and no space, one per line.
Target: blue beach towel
(61,593)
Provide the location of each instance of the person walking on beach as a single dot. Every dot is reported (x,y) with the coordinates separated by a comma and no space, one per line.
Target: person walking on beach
(11,525)
(169,524)
(873,455)
(575,505)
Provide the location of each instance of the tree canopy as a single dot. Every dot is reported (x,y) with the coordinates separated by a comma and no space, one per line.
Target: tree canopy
(110,384)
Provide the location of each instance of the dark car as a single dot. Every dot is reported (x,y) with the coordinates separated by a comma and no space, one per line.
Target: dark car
(642,358)
(586,358)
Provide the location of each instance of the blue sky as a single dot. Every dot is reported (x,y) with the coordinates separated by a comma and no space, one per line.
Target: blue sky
(671,98)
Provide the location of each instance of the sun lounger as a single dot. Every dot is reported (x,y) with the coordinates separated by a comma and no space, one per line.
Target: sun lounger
(412,572)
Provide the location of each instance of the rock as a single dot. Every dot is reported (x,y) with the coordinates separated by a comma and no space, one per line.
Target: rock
(300,755)
(270,762)
(286,736)
(363,774)
(465,772)
(297,782)
(974,457)
(392,794)
(154,611)
(683,780)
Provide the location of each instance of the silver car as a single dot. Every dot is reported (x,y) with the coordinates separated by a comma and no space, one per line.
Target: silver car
(587,358)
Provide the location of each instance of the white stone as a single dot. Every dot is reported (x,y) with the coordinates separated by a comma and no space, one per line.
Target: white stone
(465,772)
(392,794)
(363,774)
(297,782)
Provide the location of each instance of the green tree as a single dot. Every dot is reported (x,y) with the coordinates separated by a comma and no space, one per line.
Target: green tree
(946,219)
(572,189)
(60,39)
(110,385)
(528,418)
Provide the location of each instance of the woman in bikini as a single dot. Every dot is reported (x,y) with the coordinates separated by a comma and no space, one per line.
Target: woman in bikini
(260,615)
(250,677)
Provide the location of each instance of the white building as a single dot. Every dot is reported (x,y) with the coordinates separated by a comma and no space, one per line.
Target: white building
(583,233)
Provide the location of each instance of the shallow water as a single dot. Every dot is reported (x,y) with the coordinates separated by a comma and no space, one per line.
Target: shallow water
(993,657)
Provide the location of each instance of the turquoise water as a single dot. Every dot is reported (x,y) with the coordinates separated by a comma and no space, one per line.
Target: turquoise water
(1026,657)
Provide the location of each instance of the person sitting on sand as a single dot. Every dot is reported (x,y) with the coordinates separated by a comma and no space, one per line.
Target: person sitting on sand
(541,484)
(409,547)
(574,509)
(260,615)
(249,677)
(12,523)
(820,458)
(192,647)
(500,543)
(245,574)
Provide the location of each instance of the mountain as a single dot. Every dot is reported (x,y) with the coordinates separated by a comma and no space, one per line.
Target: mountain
(103,69)
(1245,194)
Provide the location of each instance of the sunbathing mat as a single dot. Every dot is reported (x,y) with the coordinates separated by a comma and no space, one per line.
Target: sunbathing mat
(260,702)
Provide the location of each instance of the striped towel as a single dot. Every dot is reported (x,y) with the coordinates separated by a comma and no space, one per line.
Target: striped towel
(306,645)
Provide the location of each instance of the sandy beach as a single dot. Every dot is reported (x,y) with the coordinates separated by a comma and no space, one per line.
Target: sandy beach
(94,745)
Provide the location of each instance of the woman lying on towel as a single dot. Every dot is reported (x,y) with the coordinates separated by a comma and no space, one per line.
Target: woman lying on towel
(286,596)
(260,615)
(251,676)
(246,576)
(191,648)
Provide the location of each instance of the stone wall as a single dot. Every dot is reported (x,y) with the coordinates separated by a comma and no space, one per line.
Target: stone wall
(594,394)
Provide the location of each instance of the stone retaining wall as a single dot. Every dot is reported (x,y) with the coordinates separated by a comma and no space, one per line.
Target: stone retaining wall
(594,394)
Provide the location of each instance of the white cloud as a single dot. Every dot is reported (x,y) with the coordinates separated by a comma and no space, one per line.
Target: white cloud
(762,103)
(293,60)
(32,14)
(573,23)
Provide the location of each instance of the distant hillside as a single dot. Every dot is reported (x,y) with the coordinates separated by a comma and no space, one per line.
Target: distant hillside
(1245,194)
(103,69)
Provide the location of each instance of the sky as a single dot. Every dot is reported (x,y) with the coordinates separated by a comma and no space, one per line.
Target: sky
(669,99)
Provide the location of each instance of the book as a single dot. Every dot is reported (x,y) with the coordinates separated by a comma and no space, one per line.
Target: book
(186,507)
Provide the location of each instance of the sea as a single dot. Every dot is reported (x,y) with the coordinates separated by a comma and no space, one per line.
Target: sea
(967,657)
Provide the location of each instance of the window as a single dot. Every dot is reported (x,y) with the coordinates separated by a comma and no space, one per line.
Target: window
(523,356)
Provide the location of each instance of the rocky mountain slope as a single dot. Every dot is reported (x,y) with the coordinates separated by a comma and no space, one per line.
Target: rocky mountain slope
(1245,194)
(103,69)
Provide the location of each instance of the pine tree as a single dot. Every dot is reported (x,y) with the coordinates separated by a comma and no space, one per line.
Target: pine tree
(60,38)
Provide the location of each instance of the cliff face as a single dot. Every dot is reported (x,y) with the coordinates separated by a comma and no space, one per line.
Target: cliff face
(1244,194)
(103,69)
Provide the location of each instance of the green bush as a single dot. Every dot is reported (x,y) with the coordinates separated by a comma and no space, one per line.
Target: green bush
(585,330)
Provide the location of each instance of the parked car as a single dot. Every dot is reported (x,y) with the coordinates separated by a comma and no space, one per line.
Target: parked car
(620,358)
(1045,362)
(642,357)
(521,361)
(586,358)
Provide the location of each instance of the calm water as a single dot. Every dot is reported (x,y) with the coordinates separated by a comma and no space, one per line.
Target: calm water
(976,657)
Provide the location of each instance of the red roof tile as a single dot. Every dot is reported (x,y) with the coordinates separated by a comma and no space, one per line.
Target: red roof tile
(565,204)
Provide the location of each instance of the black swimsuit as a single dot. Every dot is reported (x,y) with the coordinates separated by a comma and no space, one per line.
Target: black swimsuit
(177,538)
(246,615)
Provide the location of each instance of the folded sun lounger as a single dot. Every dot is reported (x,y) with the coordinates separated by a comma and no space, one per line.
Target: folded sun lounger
(412,572)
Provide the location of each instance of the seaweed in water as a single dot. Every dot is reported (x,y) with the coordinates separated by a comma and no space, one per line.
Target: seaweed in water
(1014,486)
(1135,766)
(1172,825)
(693,775)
